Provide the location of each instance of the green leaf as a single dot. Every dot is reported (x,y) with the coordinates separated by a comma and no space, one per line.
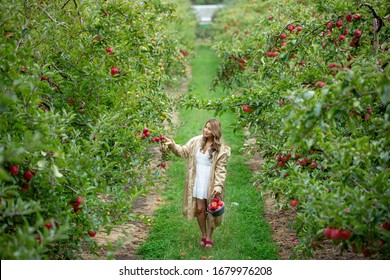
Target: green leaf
(56,171)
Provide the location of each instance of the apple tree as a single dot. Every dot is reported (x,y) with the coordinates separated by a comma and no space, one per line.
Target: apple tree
(83,93)
(310,79)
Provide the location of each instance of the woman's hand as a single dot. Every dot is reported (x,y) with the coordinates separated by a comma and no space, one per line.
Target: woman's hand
(216,193)
(169,142)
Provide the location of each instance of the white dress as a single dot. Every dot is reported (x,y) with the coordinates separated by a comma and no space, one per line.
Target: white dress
(203,168)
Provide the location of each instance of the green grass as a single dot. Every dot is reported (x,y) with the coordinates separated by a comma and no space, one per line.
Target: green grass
(244,234)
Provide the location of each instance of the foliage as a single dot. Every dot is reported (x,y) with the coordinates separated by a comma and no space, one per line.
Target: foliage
(310,79)
(81,84)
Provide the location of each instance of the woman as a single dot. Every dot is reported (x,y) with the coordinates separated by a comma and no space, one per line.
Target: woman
(205,176)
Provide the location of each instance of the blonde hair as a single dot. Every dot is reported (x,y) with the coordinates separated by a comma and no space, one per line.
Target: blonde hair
(216,130)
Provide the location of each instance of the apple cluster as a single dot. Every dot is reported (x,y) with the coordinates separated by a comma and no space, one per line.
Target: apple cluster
(14,171)
(77,204)
(158,139)
(235,64)
(293,29)
(282,160)
(307,162)
(337,234)
(145,133)
(215,205)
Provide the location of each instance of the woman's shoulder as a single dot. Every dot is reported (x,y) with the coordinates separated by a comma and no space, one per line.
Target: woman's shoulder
(224,150)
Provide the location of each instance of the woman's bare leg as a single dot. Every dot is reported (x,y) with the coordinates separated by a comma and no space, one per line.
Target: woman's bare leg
(201,215)
(210,230)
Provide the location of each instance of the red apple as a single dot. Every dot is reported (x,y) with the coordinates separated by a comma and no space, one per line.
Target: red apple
(328,232)
(92,233)
(247,109)
(345,234)
(283,36)
(24,187)
(114,71)
(368,252)
(28,175)
(357,33)
(184,52)
(385,225)
(14,170)
(329,25)
(280,163)
(76,207)
(339,23)
(314,164)
(163,165)
(314,244)
(109,50)
(348,17)
(38,238)
(336,234)
(342,37)
(320,84)
(71,100)
(291,27)
(357,16)
(369,111)
(48,225)
(79,200)
(294,202)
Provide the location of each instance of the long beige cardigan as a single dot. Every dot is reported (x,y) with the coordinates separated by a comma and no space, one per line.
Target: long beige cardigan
(217,178)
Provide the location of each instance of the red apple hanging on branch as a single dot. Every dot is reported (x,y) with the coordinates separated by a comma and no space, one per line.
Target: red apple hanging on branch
(247,109)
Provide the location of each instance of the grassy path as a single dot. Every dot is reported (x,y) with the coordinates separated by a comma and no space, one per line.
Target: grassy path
(243,234)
